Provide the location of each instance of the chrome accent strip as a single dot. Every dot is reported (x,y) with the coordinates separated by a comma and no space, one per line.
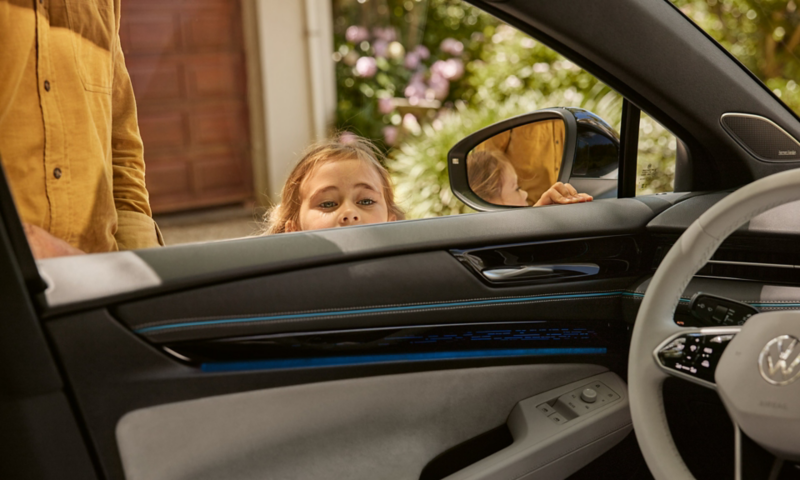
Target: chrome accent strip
(753,264)
(737,452)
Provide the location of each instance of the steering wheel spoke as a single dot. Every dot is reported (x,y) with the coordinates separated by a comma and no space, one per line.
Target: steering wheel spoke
(693,354)
(752,462)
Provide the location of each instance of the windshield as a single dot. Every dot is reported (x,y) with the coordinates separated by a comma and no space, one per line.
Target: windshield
(762,34)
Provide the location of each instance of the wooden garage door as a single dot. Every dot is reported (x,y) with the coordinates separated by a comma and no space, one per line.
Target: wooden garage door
(186,61)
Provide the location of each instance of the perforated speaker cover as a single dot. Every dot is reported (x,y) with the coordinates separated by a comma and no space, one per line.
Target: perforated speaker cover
(761,137)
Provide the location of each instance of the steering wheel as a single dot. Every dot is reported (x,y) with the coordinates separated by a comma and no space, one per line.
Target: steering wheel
(758,374)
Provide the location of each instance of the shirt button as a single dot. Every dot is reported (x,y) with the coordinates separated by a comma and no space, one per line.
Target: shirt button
(47,85)
(57,173)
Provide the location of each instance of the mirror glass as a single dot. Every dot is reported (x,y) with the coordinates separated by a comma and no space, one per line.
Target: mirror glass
(516,166)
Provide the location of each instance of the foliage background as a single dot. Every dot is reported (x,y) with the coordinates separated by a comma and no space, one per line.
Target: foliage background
(417,76)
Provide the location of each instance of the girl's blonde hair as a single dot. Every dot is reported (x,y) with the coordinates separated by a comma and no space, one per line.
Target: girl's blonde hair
(343,147)
(485,173)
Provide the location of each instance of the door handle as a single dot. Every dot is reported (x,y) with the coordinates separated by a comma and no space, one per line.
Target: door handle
(541,271)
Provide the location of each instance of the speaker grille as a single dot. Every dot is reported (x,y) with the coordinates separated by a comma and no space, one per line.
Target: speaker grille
(761,137)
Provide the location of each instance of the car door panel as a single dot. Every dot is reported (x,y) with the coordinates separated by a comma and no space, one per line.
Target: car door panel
(383,427)
(195,265)
(112,371)
(115,366)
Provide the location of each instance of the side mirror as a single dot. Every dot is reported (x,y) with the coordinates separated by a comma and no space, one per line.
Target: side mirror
(511,163)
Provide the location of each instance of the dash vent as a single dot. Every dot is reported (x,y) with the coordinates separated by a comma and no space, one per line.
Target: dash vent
(757,265)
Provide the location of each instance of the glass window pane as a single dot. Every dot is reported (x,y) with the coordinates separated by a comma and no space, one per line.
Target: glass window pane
(655,166)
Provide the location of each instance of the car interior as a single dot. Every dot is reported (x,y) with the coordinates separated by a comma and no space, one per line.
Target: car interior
(512,343)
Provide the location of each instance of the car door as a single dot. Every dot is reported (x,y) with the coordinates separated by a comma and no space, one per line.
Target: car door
(379,351)
(348,353)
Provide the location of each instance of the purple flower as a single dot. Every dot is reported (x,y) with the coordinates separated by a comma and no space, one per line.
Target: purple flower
(385,105)
(388,34)
(347,138)
(452,46)
(390,135)
(439,86)
(412,61)
(381,48)
(415,91)
(356,34)
(366,67)
(422,51)
(451,69)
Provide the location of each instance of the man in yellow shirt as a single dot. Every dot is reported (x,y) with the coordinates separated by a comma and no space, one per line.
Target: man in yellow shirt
(535,150)
(69,137)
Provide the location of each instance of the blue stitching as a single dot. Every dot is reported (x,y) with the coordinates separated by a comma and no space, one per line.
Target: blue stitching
(397,357)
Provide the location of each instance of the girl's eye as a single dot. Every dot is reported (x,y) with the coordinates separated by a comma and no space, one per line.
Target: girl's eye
(327,204)
(366,201)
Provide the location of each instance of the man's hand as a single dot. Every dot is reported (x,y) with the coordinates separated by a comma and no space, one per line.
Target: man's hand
(44,245)
(562,193)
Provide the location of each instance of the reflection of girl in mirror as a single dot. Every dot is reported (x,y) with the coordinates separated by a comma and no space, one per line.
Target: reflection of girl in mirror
(493,178)
(339,183)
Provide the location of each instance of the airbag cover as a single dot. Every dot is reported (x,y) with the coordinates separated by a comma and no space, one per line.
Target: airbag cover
(757,378)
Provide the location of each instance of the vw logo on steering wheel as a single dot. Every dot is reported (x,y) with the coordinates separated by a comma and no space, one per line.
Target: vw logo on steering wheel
(779,361)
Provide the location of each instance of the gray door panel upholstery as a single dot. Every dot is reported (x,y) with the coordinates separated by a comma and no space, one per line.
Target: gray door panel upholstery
(386,427)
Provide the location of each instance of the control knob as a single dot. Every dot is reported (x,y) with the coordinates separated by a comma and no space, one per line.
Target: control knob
(588,395)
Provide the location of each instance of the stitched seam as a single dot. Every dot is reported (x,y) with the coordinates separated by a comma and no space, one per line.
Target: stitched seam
(322,310)
(329,317)
(771,302)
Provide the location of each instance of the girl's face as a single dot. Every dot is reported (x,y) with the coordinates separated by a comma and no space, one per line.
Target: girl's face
(510,193)
(341,193)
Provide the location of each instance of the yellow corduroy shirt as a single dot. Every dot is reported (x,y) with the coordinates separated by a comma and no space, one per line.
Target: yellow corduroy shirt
(69,137)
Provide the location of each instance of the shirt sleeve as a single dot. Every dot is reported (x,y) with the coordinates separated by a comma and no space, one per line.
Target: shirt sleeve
(136,227)
(15,36)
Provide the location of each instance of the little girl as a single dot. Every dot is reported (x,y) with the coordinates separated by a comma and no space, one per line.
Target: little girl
(493,178)
(336,184)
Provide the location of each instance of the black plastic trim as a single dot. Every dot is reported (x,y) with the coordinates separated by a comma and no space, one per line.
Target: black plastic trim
(17,238)
(629,150)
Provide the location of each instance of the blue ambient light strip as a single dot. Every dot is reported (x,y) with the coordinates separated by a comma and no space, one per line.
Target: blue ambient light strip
(331,313)
(395,357)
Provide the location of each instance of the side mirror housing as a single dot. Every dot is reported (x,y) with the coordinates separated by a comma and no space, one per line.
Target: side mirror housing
(511,163)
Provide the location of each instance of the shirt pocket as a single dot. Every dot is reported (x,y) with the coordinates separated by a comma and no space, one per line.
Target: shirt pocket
(93,26)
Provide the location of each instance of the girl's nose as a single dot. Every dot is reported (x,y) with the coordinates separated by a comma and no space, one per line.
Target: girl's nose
(348,217)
